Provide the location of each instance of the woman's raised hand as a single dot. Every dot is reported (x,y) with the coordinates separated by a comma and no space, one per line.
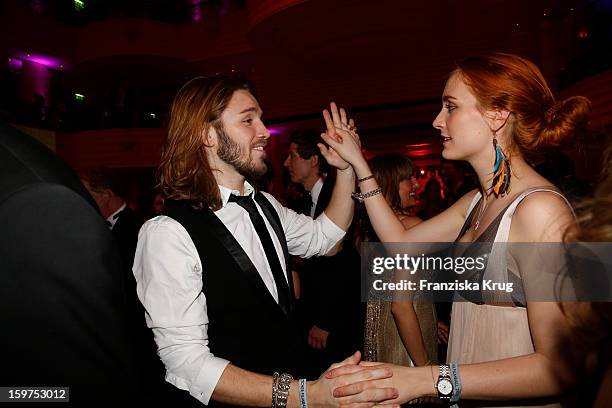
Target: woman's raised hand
(341,136)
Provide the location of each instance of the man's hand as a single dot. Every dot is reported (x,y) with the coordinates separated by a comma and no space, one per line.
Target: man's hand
(370,392)
(406,383)
(339,128)
(317,337)
(341,136)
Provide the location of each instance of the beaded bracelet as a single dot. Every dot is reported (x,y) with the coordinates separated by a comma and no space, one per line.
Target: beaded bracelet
(275,377)
(359,197)
(454,369)
(303,396)
(282,390)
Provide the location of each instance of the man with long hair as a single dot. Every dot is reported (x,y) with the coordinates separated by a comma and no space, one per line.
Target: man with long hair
(212,273)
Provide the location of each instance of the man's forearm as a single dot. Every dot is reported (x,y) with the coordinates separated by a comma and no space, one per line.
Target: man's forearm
(340,208)
(246,388)
(240,387)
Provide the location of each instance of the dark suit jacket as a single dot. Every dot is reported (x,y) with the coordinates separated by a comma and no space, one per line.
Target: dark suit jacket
(125,232)
(331,293)
(325,195)
(62,299)
(150,369)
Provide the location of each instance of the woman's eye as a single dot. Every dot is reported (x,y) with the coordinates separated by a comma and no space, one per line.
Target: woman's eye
(450,107)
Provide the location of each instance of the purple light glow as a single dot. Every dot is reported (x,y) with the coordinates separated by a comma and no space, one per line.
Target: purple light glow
(15,64)
(276,130)
(37,6)
(196,10)
(42,59)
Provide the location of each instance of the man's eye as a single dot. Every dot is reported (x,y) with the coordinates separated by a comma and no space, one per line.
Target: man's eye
(248,121)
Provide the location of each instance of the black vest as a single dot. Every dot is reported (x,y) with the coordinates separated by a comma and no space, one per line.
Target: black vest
(246,325)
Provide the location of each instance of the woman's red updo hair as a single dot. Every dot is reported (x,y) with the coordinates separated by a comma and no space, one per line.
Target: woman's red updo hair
(509,82)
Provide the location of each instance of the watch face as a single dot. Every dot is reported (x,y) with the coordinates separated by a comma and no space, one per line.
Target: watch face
(444,387)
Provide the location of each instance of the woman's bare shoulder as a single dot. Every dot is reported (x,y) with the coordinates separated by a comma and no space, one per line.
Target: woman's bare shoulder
(542,216)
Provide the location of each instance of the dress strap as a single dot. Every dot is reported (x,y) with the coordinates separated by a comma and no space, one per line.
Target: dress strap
(468,215)
(497,268)
(473,204)
(503,231)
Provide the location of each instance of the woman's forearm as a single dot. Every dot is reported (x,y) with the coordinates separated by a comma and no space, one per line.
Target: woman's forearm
(409,330)
(525,377)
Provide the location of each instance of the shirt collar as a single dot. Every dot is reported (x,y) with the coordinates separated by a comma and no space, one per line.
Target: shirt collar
(226,191)
(112,219)
(316,190)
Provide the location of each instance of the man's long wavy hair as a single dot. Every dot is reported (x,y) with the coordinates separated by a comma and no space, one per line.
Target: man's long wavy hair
(592,321)
(184,172)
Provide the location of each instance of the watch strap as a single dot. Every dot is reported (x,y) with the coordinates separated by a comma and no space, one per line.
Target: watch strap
(444,374)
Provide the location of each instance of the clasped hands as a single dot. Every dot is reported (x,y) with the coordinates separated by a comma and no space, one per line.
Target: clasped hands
(355,384)
(341,133)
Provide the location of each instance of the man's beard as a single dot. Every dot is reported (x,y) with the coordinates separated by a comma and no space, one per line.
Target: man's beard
(230,152)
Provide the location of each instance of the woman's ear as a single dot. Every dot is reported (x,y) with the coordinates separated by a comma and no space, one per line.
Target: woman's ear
(498,119)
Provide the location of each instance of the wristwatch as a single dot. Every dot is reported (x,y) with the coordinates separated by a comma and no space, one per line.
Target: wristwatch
(444,385)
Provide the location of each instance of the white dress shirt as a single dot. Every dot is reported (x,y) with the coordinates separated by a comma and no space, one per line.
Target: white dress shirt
(314,196)
(168,274)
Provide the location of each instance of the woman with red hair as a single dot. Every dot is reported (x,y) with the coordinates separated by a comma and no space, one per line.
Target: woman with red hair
(497,114)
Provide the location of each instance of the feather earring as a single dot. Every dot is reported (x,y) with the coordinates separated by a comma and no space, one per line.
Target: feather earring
(500,184)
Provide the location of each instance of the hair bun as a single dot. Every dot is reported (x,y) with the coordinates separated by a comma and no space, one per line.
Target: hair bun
(561,119)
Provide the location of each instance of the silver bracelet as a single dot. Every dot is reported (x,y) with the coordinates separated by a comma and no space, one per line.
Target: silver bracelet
(280,390)
(275,378)
(303,396)
(362,196)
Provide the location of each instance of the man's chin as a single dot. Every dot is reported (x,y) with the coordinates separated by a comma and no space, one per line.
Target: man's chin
(260,170)
(255,170)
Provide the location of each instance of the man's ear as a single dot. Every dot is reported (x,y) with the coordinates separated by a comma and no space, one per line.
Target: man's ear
(314,160)
(209,136)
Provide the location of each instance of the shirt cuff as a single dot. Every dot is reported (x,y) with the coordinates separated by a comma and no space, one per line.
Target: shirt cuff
(205,383)
(333,232)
